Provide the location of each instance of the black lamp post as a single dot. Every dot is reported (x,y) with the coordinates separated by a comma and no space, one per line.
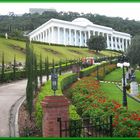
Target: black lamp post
(124,87)
(54,81)
(123,64)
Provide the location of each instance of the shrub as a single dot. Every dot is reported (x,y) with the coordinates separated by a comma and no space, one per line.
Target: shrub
(47,91)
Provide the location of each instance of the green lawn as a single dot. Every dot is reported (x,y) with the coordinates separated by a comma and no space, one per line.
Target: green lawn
(115,75)
(14,47)
(113,92)
(137,73)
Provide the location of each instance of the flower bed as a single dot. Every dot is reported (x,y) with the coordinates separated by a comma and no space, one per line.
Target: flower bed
(47,91)
(89,100)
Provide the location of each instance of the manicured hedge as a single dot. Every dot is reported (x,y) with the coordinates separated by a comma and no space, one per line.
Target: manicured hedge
(20,74)
(46,90)
(89,70)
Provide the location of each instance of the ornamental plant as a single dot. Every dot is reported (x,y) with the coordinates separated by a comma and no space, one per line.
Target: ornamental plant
(90,101)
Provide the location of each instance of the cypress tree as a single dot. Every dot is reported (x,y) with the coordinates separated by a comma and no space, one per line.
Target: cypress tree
(60,67)
(40,74)
(35,73)
(53,65)
(47,68)
(29,71)
(14,68)
(3,68)
(66,64)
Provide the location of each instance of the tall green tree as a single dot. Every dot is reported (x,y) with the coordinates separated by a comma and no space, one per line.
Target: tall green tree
(97,43)
(29,71)
(35,73)
(133,52)
(3,68)
(14,68)
(47,68)
(41,70)
(60,67)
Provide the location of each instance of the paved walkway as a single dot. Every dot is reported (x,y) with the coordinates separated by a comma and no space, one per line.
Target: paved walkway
(9,94)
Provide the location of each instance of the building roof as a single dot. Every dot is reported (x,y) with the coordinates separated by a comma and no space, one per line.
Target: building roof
(82,21)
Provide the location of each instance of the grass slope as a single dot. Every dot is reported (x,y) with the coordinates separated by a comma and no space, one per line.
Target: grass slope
(14,47)
(114,93)
(115,75)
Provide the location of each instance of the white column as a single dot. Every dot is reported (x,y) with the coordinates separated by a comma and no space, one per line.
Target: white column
(75,38)
(119,43)
(49,36)
(52,37)
(107,41)
(93,33)
(112,43)
(80,38)
(126,43)
(64,33)
(58,35)
(69,36)
(43,36)
(116,48)
(85,38)
(88,34)
(122,44)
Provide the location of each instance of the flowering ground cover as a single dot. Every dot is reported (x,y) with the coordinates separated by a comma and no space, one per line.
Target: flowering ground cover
(90,100)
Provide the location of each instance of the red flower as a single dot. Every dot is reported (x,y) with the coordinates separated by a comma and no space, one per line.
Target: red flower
(139,134)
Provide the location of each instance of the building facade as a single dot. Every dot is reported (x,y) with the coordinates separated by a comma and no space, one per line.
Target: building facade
(77,32)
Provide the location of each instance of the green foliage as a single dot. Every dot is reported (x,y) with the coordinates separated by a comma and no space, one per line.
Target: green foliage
(95,103)
(30,78)
(2,69)
(35,73)
(60,67)
(87,71)
(115,75)
(15,25)
(117,95)
(41,71)
(133,52)
(14,68)
(14,47)
(47,91)
(47,68)
(97,43)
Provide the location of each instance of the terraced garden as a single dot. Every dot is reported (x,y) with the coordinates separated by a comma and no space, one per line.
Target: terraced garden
(14,47)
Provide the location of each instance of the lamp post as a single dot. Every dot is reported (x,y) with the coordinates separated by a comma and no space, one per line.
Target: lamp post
(123,65)
(54,81)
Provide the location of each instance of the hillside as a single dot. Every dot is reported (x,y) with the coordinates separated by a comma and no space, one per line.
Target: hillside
(16,26)
(16,48)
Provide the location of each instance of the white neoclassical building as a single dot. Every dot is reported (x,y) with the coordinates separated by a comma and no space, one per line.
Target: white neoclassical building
(77,32)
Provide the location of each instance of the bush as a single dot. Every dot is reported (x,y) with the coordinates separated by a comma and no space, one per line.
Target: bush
(89,70)
(47,91)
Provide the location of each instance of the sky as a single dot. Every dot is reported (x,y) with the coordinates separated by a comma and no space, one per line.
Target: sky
(124,10)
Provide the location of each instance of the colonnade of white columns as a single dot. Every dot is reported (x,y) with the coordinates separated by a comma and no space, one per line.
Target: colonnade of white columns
(75,37)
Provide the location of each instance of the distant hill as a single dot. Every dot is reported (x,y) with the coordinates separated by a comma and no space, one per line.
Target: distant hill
(16,26)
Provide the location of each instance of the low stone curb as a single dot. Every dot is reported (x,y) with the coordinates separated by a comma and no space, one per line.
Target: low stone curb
(13,120)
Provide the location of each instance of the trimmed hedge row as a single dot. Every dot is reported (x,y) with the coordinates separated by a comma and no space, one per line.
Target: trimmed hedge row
(63,81)
(21,74)
(89,70)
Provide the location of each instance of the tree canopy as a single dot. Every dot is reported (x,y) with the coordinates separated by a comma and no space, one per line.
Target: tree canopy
(97,43)
(133,52)
(16,25)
